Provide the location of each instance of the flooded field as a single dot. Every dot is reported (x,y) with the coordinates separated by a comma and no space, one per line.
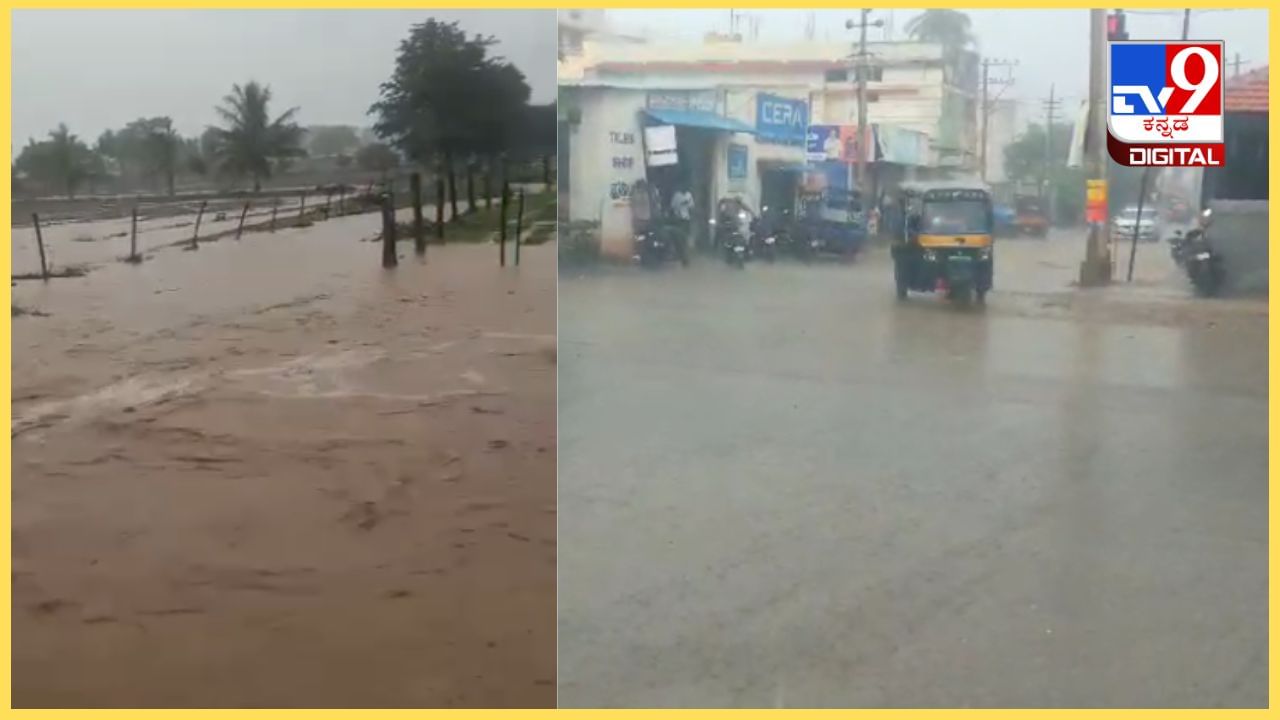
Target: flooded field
(270,473)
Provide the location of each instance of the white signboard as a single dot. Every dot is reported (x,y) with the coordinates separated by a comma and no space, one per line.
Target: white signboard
(660,145)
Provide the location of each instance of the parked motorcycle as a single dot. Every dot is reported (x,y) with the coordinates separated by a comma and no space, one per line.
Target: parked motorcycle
(658,244)
(764,238)
(1178,245)
(735,245)
(1203,264)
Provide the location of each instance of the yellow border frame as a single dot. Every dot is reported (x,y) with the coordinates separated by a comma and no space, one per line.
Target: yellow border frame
(6,26)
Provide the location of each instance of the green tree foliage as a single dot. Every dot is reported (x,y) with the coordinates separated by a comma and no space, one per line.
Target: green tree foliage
(251,143)
(1026,163)
(950,28)
(147,151)
(449,99)
(324,140)
(377,157)
(62,161)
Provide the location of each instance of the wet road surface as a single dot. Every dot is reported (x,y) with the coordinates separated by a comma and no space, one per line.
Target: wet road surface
(269,473)
(779,487)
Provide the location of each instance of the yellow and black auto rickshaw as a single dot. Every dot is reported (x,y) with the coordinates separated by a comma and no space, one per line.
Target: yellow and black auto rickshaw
(945,243)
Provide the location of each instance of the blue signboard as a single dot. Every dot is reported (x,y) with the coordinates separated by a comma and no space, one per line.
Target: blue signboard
(737,161)
(780,120)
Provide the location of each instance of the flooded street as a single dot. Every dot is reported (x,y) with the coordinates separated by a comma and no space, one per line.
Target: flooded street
(269,473)
(816,496)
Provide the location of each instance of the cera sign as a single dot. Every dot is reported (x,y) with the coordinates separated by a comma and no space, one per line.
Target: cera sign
(780,120)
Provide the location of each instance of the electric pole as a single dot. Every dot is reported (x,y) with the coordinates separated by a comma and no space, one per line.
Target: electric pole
(1186,23)
(1096,268)
(1046,184)
(987,64)
(1235,66)
(861,77)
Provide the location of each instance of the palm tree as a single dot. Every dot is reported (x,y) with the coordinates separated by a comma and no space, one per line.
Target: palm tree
(163,145)
(951,29)
(252,140)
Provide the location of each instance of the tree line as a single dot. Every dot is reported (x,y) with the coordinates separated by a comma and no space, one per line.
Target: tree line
(449,105)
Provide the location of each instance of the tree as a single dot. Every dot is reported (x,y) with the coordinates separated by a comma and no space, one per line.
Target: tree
(950,28)
(326,140)
(251,141)
(62,161)
(162,149)
(145,150)
(447,98)
(1025,163)
(377,157)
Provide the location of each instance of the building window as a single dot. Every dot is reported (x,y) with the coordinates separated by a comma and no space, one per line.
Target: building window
(873,96)
(837,76)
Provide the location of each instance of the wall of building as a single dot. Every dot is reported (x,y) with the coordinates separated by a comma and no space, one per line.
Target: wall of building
(605,158)
(1002,131)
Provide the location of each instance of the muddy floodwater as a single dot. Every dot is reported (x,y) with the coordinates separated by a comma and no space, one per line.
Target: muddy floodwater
(270,473)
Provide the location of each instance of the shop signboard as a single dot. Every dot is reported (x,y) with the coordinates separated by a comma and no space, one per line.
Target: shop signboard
(781,120)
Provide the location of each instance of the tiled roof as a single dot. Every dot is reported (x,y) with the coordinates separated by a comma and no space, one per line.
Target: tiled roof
(1248,93)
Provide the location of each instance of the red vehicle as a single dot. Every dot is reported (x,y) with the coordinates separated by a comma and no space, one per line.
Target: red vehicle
(1179,211)
(1030,217)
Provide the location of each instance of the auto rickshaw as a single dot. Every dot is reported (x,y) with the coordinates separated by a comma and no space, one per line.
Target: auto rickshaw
(946,244)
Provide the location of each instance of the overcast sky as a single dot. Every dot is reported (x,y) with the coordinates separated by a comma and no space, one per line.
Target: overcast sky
(101,69)
(1051,46)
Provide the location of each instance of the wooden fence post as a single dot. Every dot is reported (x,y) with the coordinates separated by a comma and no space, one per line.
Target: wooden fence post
(302,206)
(502,229)
(195,236)
(471,188)
(328,199)
(488,188)
(133,236)
(519,224)
(274,209)
(243,212)
(389,259)
(44,267)
(342,194)
(419,236)
(440,209)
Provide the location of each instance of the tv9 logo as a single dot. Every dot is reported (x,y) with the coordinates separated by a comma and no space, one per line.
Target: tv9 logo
(1165,104)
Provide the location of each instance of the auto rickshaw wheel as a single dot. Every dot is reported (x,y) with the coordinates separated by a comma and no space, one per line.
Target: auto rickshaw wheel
(899,279)
(962,295)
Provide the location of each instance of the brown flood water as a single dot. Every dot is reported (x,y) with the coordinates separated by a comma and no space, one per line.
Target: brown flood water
(268,473)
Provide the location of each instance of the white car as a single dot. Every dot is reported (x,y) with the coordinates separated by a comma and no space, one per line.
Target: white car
(1122,225)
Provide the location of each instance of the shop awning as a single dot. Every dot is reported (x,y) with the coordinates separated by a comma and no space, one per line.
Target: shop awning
(699,119)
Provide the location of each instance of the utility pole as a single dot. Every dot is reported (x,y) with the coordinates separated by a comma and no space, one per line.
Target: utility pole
(1235,66)
(987,64)
(1186,23)
(861,77)
(1096,268)
(1046,183)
